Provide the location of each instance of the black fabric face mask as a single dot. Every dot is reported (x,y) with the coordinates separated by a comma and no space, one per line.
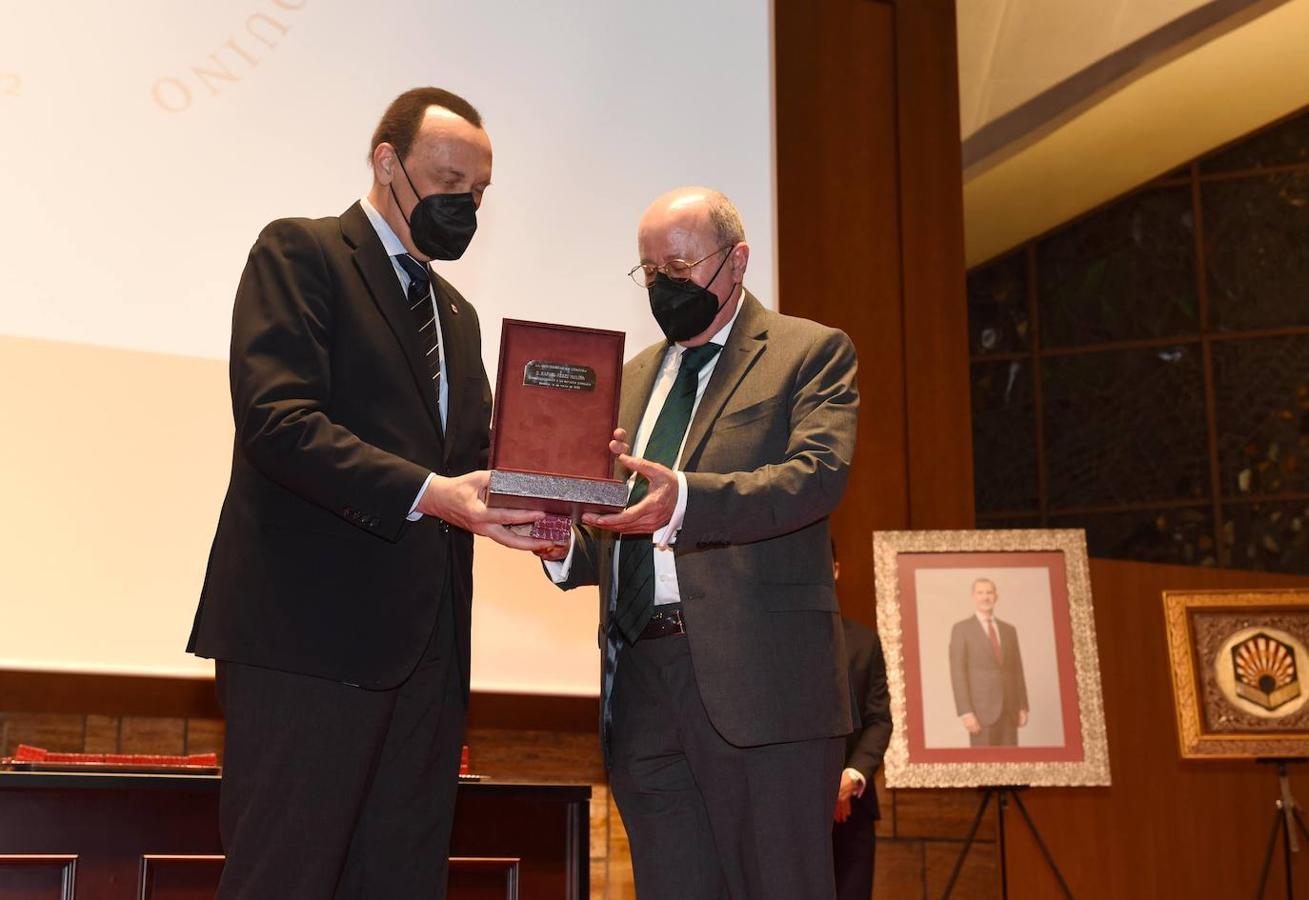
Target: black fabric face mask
(683,309)
(442,225)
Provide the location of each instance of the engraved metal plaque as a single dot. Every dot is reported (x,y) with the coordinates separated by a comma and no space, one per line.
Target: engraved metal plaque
(565,376)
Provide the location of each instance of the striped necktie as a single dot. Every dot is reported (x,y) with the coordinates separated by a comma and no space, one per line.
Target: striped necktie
(635,603)
(423,310)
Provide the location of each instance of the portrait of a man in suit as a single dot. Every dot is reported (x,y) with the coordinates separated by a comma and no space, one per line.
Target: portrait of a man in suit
(986,673)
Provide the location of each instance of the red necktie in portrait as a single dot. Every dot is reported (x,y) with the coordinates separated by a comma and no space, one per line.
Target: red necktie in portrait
(995,641)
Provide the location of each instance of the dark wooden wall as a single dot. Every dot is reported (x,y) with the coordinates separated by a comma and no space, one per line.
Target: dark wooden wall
(870,239)
(1166,829)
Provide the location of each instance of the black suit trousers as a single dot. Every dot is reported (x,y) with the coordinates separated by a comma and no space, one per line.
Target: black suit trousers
(707,819)
(330,790)
(854,850)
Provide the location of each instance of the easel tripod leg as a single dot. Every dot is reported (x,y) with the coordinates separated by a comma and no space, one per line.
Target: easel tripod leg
(1278,822)
(968,843)
(1045,851)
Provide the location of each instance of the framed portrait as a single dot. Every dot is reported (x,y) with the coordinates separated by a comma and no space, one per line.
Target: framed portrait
(991,658)
(1236,659)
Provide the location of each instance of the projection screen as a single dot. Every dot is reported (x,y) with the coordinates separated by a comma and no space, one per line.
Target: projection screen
(145,143)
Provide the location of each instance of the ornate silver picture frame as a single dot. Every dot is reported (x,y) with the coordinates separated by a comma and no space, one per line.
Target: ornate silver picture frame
(991,658)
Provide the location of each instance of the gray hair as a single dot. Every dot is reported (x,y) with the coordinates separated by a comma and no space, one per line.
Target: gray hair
(726,220)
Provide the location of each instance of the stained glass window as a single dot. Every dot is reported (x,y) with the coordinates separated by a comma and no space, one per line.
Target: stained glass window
(1165,407)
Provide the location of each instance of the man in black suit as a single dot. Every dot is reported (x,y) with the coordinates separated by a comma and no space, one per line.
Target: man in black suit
(854,832)
(724,692)
(338,593)
(986,672)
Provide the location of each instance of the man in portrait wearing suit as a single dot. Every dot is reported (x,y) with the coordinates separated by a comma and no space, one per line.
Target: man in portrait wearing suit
(986,672)
(724,693)
(337,597)
(854,832)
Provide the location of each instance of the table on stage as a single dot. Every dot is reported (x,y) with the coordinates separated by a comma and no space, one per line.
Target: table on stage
(92,836)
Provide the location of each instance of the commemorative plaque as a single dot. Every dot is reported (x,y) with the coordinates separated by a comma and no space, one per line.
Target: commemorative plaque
(556,408)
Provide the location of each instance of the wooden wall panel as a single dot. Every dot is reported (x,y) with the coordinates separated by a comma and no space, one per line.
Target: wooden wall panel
(937,388)
(1166,829)
(180,877)
(838,239)
(870,240)
(37,876)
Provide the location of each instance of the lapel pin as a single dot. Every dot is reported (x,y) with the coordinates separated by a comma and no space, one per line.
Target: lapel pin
(454,309)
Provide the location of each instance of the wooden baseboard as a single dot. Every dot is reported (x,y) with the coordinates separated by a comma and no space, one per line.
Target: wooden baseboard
(194,698)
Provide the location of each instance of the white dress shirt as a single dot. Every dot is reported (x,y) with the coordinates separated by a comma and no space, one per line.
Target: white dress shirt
(394,247)
(666,589)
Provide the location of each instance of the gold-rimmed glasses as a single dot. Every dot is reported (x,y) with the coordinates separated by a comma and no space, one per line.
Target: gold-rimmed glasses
(643,274)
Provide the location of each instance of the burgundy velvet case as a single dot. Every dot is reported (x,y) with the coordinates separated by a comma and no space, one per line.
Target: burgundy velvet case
(556,408)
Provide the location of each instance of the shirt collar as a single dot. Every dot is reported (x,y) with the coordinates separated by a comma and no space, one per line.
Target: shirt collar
(390,240)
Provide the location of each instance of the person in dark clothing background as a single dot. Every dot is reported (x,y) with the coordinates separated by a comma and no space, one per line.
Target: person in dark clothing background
(854,829)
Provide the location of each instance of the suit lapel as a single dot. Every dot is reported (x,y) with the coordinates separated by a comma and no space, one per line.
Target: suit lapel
(746,341)
(379,275)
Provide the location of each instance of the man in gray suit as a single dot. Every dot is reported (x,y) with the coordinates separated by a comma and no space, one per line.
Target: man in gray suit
(724,692)
(986,672)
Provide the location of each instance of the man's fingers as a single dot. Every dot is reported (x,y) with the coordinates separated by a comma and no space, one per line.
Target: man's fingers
(502,535)
(630,517)
(610,520)
(507,516)
(650,470)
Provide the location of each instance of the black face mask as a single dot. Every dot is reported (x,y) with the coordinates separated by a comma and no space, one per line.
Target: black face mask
(683,309)
(440,224)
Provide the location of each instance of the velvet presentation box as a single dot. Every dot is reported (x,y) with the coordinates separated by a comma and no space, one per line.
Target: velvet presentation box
(556,409)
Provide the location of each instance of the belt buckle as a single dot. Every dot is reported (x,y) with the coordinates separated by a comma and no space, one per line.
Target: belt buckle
(664,623)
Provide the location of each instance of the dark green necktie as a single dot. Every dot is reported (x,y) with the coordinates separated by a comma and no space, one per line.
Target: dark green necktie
(636,551)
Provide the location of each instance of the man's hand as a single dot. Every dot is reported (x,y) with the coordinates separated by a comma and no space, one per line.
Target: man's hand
(849,786)
(655,508)
(461,501)
(620,444)
(1022,718)
(971,723)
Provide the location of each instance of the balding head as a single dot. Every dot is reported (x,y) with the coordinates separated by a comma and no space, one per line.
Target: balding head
(707,211)
(698,224)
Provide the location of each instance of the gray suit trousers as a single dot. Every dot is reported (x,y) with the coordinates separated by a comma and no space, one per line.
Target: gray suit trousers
(707,819)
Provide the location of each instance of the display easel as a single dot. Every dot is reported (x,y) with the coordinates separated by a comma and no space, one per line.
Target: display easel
(1286,821)
(1002,794)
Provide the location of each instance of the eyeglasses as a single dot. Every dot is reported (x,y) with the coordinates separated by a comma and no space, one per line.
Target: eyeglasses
(643,274)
